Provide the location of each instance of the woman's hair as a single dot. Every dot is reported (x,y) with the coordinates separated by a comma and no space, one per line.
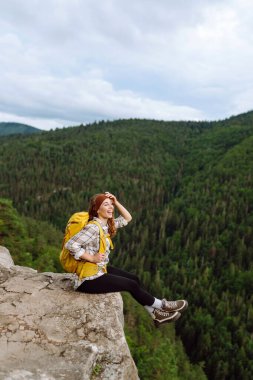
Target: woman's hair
(94,205)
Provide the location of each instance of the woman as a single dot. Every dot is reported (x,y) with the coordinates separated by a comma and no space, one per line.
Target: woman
(103,279)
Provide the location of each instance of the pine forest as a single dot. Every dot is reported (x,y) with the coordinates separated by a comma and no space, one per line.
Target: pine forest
(189,188)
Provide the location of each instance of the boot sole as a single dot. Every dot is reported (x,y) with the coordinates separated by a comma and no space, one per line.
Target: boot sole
(158,324)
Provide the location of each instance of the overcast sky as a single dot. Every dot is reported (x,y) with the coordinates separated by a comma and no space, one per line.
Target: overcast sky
(66,62)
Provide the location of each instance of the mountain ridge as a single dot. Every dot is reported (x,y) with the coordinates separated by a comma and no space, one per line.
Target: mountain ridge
(11,128)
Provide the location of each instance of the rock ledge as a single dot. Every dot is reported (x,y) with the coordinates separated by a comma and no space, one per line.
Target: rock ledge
(50,332)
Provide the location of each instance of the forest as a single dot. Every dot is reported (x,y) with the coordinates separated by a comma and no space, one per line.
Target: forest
(189,188)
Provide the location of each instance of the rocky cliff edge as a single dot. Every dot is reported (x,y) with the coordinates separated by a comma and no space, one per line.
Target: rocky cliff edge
(50,332)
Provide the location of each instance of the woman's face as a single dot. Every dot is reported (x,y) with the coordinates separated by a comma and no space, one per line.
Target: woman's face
(106,209)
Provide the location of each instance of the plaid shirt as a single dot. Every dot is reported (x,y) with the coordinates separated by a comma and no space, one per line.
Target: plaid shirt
(87,240)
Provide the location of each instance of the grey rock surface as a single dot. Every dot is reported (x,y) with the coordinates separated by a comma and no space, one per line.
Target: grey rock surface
(49,332)
(5,257)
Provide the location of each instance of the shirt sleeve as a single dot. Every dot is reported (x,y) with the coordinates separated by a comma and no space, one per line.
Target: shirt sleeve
(76,245)
(120,222)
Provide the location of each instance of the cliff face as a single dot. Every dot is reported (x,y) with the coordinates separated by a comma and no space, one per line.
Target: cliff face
(50,332)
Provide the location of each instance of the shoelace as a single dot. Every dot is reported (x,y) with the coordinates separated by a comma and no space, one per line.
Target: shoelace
(163,313)
(172,304)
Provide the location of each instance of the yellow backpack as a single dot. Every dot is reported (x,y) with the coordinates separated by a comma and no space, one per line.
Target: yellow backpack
(76,222)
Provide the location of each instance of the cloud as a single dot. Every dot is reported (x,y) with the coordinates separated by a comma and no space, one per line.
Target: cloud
(84,99)
(82,60)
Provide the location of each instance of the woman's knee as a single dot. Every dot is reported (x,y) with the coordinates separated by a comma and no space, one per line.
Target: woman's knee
(134,286)
(136,278)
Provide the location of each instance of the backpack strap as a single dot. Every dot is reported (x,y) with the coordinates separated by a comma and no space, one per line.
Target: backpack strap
(103,236)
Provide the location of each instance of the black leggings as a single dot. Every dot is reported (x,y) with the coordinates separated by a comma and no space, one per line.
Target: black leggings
(117,280)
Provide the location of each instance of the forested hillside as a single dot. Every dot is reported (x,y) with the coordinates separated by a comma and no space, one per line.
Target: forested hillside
(157,352)
(189,188)
(31,242)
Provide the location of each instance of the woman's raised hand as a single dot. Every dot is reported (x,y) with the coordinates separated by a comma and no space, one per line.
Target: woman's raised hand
(111,196)
(122,210)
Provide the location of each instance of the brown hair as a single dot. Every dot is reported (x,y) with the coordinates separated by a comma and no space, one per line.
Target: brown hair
(95,203)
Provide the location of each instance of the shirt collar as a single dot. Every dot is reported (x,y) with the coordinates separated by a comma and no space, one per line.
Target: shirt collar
(100,221)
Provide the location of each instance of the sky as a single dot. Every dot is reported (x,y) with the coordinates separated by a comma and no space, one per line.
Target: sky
(67,62)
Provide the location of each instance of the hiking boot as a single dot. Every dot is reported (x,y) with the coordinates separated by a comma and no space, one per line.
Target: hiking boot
(160,317)
(171,306)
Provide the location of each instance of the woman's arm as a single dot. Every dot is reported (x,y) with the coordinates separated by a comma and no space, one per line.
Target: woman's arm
(97,258)
(76,245)
(122,210)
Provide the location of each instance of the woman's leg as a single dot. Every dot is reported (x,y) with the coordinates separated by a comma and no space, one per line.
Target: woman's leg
(119,272)
(169,306)
(108,283)
(112,283)
(123,273)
